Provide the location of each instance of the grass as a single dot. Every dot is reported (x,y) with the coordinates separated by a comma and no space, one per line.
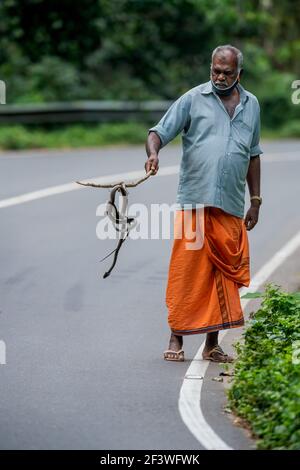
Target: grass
(266,387)
(72,136)
(17,137)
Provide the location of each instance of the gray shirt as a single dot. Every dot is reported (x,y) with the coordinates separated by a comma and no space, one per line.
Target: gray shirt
(216,148)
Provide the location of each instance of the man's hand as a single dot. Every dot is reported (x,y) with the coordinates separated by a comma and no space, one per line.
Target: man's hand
(251,218)
(152,163)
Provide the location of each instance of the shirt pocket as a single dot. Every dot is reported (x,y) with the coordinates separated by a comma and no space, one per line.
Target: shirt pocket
(244,133)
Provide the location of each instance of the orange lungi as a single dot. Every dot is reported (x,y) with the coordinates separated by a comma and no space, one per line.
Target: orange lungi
(202,291)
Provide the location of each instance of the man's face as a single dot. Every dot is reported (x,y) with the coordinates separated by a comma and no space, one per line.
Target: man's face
(224,69)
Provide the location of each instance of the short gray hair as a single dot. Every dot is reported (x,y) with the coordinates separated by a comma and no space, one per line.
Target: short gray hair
(228,47)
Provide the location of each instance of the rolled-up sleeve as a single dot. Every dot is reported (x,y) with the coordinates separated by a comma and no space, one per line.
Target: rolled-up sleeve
(255,148)
(174,120)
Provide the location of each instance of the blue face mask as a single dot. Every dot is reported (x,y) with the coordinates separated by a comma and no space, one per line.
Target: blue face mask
(224,91)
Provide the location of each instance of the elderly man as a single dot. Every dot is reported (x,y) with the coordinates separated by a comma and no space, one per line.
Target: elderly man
(220,125)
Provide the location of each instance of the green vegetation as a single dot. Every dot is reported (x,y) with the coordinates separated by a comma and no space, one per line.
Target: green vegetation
(266,386)
(73,136)
(90,135)
(148,49)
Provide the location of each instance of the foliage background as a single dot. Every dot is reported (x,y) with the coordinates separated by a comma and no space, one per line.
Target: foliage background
(265,390)
(62,50)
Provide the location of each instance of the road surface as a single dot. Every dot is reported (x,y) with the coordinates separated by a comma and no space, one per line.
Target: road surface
(84,355)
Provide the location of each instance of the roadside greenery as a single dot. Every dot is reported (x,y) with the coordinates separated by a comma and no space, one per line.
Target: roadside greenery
(17,137)
(73,136)
(266,386)
(141,49)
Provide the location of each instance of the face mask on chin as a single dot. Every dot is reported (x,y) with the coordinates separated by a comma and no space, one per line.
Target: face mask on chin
(224,91)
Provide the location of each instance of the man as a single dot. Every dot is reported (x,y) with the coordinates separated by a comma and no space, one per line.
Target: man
(220,125)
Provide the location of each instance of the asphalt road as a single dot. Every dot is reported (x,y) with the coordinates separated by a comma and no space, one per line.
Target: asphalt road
(84,355)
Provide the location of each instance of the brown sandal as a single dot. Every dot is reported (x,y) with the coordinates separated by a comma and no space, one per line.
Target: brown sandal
(170,355)
(217,355)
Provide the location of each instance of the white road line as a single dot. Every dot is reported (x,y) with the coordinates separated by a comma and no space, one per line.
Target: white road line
(190,405)
(65,188)
(164,171)
(281,157)
(190,394)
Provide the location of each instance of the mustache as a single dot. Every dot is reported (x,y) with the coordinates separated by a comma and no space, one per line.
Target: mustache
(224,84)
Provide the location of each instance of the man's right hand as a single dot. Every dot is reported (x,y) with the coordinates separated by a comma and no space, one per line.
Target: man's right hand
(152,164)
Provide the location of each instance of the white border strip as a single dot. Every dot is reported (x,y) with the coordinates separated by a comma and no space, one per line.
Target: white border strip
(164,171)
(190,394)
(65,188)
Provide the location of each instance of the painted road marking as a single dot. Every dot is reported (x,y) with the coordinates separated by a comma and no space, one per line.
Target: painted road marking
(189,402)
(65,188)
(190,393)
(164,171)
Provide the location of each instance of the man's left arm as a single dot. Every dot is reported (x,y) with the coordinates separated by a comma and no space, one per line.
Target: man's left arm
(253,175)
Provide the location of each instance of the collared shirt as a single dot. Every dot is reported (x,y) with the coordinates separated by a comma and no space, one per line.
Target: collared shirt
(216,148)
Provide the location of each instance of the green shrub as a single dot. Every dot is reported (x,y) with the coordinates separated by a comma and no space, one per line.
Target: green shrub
(266,386)
(291,129)
(77,135)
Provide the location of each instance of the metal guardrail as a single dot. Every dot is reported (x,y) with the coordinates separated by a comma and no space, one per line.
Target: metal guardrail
(83,111)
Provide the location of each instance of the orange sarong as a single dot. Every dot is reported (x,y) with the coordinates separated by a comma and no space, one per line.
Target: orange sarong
(202,290)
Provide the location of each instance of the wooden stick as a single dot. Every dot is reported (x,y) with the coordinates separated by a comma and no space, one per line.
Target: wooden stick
(131,184)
